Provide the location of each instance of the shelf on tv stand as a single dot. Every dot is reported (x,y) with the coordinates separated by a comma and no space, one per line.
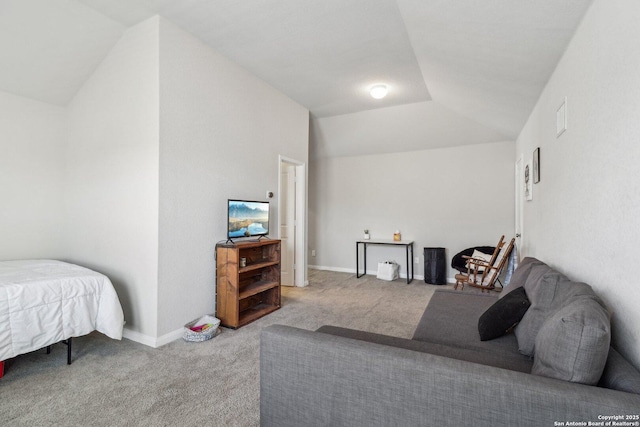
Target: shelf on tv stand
(244,294)
(257,266)
(255,313)
(256,288)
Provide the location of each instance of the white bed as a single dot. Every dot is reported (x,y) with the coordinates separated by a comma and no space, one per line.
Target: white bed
(43,302)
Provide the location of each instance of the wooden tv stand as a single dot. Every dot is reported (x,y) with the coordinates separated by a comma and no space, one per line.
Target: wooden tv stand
(244,294)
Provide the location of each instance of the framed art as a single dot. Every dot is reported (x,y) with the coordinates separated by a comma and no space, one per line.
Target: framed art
(528,181)
(536,165)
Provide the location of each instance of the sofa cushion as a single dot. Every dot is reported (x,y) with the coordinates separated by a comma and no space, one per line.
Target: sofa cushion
(567,291)
(573,343)
(503,315)
(548,291)
(482,357)
(520,275)
(540,287)
(451,318)
(619,374)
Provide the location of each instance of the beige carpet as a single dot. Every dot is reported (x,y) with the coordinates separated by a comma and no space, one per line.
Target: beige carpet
(214,383)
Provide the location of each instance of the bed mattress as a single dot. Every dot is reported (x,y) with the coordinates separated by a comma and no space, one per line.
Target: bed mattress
(43,302)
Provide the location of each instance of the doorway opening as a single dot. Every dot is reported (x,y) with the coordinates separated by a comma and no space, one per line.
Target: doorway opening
(519,196)
(292,224)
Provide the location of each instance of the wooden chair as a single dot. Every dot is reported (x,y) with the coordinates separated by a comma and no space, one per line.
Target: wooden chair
(482,274)
(476,262)
(459,260)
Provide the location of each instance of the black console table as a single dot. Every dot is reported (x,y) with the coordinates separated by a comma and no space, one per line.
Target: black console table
(408,244)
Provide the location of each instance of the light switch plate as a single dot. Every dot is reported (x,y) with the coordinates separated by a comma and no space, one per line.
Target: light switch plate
(561,118)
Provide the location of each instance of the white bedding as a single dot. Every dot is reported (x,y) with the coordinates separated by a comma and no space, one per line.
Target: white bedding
(43,302)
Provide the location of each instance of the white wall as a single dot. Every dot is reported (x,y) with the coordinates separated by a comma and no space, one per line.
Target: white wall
(32,136)
(132,178)
(449,197)
(585,215)
(111,182)
(409,127)
(221,131)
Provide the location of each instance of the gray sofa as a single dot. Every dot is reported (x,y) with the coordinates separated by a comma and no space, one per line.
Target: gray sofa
(446,375)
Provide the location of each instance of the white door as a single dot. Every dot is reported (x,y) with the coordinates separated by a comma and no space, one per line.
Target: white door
(519,183)
(287,222)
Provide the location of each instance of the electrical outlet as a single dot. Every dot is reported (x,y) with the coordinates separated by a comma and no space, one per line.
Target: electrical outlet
(313,252)
(417,260)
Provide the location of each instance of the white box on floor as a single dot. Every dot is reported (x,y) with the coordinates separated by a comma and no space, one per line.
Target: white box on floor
(388,270)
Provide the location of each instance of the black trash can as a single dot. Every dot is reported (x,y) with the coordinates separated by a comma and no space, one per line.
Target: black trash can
(435,266)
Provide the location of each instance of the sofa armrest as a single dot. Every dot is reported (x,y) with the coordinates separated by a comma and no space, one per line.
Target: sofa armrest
(315,379)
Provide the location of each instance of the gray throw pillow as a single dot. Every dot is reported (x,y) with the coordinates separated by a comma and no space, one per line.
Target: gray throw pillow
(520,275)
(540,288)
(573,343)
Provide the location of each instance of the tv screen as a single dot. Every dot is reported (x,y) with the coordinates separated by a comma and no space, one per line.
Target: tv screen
(247,218)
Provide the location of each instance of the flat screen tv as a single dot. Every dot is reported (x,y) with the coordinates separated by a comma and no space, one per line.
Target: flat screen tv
(247,218)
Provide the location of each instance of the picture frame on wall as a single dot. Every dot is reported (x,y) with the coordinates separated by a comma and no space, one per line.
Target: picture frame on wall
(528,181)
(536,165)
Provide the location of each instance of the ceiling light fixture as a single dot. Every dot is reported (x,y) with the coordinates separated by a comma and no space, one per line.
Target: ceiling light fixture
(379,91)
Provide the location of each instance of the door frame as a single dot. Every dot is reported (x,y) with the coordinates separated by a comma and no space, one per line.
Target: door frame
(519,205)
(300,255)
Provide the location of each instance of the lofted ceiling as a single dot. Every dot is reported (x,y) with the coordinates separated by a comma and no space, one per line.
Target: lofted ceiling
(482,64)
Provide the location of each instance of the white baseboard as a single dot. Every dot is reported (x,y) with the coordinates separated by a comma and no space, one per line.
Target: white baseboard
(371,272)
(139,337)
(174,335)
(149,340)
(170,337)
(338,269)
(305,283)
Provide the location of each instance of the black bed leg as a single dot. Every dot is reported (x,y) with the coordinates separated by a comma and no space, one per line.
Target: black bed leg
(68,343)
(69,351)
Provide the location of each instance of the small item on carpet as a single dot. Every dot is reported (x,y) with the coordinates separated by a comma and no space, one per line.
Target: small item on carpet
(202,329)
(388,270)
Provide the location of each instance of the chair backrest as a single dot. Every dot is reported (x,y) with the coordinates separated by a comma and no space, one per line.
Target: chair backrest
(479,269)
(496,252)
(491,274)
